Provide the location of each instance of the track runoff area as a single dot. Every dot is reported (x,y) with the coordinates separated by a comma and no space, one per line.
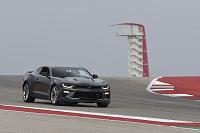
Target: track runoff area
(134,89)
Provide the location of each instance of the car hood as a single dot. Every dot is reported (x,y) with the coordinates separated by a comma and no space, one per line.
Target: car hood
(84,81)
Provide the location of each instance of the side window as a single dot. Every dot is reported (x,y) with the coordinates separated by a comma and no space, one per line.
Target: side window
(37,72)
(45,71)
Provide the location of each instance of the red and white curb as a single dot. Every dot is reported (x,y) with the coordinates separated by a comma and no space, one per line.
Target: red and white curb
(101,116)
(169,86)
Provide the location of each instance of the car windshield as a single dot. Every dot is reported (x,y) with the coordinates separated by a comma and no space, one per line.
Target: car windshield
(63,72)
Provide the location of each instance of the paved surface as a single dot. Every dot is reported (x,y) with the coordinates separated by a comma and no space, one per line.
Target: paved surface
(19,122)
(129,97)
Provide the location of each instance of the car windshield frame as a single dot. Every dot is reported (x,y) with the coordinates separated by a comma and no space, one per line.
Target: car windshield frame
(64,72)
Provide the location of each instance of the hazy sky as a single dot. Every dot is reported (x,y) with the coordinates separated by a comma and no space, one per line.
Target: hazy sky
(77,33)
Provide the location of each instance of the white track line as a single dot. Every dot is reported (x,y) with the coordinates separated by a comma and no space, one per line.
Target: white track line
(150,85)
(160,83)
(170,87)
(162,89)
(178,95)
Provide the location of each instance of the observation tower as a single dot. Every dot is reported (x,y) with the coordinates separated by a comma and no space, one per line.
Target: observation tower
(137,48)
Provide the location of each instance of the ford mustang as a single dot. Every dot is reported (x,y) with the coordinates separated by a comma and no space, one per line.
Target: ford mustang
(65,85)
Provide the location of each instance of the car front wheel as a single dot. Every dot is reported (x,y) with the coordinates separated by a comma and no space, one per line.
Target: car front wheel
(54,95)
(27,94)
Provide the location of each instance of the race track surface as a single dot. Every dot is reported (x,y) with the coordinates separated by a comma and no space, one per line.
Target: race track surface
(129,97)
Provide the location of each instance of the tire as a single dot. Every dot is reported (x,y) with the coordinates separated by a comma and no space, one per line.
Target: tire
(54,96)
(27,97)
(103,105)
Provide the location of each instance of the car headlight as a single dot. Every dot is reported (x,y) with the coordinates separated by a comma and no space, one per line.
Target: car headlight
(68,86)
(105,87)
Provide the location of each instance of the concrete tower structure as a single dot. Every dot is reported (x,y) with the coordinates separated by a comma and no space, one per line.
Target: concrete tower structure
(137,48)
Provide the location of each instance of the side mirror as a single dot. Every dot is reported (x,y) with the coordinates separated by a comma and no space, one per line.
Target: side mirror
(95,76)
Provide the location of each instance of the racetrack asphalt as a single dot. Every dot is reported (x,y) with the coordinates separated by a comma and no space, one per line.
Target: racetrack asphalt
(129,97)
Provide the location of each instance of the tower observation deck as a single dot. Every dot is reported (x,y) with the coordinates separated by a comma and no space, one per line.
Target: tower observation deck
(137,48)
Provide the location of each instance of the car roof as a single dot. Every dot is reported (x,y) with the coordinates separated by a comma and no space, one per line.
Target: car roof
(57,67)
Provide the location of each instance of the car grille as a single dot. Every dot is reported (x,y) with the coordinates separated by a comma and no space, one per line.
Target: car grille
(88,95)
(88,87)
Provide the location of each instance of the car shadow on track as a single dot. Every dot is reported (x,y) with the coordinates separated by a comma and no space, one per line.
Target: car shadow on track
(67,104)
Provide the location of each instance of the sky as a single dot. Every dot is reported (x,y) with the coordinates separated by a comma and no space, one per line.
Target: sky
(77,33)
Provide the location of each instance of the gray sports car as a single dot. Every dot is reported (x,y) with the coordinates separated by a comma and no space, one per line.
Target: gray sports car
(65,84)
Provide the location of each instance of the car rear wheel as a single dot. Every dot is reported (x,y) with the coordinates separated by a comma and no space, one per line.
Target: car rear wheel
(103,105)
(27,94)
(54,95)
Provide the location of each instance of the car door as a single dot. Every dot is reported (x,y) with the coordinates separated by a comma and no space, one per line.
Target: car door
(43,82)
(35,80)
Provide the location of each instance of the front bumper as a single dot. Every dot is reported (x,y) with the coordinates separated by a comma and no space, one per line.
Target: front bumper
(85,96)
